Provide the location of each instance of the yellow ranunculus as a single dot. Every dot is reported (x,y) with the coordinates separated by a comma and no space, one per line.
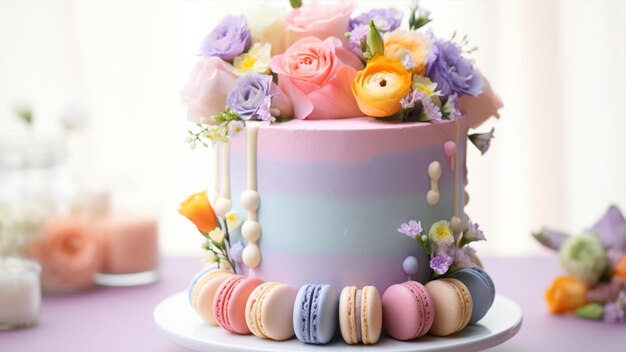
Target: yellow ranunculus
(400,43)
(257,59)
(379,87)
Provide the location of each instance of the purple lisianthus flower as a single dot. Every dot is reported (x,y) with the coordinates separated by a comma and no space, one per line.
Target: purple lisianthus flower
(612,313)
(412,228)
(441,263)
(386,20)
(451,71)
(250,99)
(228,39)
(482,141)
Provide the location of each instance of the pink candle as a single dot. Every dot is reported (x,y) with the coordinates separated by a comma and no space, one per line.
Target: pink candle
(130,246)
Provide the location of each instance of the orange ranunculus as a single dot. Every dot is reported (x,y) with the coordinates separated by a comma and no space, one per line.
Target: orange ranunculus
(620,269)
(379,87)
(399,43)
(198,209)
(566,294)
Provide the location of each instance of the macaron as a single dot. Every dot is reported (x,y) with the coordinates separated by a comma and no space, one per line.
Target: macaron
(202,292)
(315,314)
(229,304)
(360,315)
(482,289)
(269,311)
(408,310)
(453,306)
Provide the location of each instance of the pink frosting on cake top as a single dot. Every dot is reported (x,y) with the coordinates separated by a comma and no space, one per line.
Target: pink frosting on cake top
(346,140)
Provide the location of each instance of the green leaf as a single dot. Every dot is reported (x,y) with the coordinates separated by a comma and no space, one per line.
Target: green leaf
(375,42)
(25,113)
(296,4)
(590,311)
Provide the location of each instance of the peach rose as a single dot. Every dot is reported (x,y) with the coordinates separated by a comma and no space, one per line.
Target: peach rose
(205,92)
(316,75)
(69,254)
(479,109)
(410,48)
(566,294)
(321,20)
(380,86)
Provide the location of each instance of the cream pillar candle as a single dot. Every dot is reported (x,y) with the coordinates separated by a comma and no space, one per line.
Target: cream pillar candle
(20,292)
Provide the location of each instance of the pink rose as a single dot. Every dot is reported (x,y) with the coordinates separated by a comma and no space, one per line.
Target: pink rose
(317,76)
(209,84)
(479,109)
(321,20)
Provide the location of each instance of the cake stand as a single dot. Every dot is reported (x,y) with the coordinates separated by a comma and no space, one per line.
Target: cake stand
(178,323)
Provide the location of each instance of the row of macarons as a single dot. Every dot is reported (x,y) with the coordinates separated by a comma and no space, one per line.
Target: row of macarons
(276,311)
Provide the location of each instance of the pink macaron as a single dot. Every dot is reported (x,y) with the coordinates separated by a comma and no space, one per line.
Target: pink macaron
(229,305)
(408,310)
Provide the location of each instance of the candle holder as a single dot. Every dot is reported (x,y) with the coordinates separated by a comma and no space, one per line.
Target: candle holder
(20,293)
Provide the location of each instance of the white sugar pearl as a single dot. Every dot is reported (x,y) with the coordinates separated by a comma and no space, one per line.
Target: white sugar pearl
(251,255)
(434,170)
(250,200)
(455,224)
(223,206)
(432,197)
(251,231)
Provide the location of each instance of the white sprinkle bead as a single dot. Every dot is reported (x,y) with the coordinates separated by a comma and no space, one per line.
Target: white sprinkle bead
(434,172)
(251,231)
(250,200)
(455,225)
(223,206)
(251,255)
(432,197)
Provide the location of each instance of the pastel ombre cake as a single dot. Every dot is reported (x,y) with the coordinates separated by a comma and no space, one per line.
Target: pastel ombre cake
(339,161)
(333,192)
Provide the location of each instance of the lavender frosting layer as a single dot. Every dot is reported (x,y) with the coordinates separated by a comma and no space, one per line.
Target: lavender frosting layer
(334,192)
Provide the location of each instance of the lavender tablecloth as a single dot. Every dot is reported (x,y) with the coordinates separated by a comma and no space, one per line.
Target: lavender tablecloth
(120,319)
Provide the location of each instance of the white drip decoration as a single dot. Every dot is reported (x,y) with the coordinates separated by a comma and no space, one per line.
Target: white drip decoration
(223,204)
(250,201)
(434,172)
(215,192)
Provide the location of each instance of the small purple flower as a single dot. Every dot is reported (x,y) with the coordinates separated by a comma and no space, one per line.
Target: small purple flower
(412,228)
(409,101)
(473,233)
(432,111)
(612,313)
(482,141)
(357,39)
(228,39)
(250,98)
(386,20)
(451,71)
(236,251)
(441,263)
(606,291)
(463,258)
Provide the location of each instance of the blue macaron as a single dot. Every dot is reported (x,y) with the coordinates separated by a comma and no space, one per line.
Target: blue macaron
(481,289)
(315,314)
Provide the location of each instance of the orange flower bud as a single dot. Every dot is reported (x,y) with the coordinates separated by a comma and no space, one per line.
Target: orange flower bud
(198,209)
(566,294)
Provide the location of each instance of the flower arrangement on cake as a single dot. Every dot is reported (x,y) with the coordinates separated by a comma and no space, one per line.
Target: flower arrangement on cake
(595,262)
(328,100)
(322,62)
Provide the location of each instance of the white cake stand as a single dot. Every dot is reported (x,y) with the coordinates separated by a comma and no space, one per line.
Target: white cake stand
(178,323)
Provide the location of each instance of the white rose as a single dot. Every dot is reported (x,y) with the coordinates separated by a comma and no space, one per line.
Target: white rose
(267,25)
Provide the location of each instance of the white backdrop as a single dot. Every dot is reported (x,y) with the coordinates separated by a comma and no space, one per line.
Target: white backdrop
(559,157)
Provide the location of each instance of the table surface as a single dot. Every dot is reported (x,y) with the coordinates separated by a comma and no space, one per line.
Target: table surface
(120,319)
